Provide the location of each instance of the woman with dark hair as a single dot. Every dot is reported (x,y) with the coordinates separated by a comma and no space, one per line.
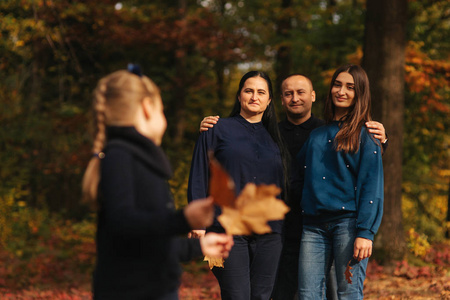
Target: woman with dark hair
(249,146)
(342,202)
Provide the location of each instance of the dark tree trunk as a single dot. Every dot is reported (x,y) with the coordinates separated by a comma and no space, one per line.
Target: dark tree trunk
(180,80)
(384,60)
(220,65)
(283,61)
(447,233)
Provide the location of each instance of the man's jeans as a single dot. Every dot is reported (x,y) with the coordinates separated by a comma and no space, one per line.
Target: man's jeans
(320,245)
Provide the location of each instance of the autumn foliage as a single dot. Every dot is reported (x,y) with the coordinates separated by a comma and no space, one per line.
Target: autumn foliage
(52,53)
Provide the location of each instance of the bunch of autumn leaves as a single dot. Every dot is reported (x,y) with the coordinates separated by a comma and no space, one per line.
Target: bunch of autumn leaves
(247,213)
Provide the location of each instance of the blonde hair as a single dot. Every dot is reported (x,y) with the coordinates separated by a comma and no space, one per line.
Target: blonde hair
(115,100)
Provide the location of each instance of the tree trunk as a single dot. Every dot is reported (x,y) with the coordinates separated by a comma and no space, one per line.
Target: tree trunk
(180,81)
(283,61)
(447,232)
(384,60)
(220,65)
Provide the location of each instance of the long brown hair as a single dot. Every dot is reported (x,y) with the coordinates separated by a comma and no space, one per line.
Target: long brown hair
(348,137)
(115,99)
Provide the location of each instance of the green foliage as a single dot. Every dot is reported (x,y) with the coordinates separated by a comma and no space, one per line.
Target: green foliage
(43,249)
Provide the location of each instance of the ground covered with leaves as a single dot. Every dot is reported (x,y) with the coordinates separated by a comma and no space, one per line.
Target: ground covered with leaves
(51,278)
(403,281)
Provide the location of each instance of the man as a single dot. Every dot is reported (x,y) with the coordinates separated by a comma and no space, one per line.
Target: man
(297,97)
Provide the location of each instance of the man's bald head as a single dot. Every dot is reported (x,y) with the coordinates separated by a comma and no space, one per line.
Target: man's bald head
(297,96)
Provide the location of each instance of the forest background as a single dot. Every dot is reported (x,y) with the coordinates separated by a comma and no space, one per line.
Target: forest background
(52,53)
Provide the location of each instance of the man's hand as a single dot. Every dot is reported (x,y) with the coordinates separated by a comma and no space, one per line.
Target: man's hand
(377,129)
(208,122)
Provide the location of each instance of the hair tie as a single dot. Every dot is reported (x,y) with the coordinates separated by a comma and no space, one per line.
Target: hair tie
(135,69)
(100,155)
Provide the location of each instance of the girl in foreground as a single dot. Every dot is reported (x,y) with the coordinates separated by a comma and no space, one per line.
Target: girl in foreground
(342,201)
(138,252)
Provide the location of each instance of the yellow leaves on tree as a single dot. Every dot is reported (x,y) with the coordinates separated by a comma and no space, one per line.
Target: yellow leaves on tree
(249,212)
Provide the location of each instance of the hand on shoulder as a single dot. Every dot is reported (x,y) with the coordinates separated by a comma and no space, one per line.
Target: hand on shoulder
(208,122)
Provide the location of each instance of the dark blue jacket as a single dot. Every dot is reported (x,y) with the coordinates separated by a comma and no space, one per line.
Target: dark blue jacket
(138,253)
(338,185)
(246,151)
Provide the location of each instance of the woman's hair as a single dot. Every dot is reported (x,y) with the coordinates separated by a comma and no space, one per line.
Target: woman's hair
(269,121)
(115,101)
(348,137)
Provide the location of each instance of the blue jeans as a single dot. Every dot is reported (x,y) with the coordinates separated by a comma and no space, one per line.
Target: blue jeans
(320,245)
(250,270)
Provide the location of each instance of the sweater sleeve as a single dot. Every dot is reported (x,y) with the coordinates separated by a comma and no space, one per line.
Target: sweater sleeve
(199,173)
(121,214)
(297,178)
(188,249)
(370,188)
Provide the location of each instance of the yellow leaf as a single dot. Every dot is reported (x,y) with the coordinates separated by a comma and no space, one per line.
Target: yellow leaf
(251,210)
(214,261)
(255,206)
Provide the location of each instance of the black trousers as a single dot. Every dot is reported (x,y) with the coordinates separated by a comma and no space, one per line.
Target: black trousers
(250,270)
(286,285)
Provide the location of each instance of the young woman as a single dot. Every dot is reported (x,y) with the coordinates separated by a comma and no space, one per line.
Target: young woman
(138,253)
(249,147)
(342,200)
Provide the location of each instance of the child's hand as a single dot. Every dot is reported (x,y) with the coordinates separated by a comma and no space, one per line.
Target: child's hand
(208,122)
(216,244)
(200,213)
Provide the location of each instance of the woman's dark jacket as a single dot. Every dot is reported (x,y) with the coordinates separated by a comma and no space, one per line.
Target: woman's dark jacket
(245,150)
(138,252)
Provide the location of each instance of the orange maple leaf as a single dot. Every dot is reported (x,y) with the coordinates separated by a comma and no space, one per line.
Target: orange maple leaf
(348,274)
(254,207)
(246,214)
(221,186)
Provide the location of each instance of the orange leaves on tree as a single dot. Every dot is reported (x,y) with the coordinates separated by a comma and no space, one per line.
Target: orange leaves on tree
(427,76)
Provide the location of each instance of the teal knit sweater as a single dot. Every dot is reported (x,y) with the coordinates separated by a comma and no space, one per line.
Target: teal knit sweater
(339,185)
